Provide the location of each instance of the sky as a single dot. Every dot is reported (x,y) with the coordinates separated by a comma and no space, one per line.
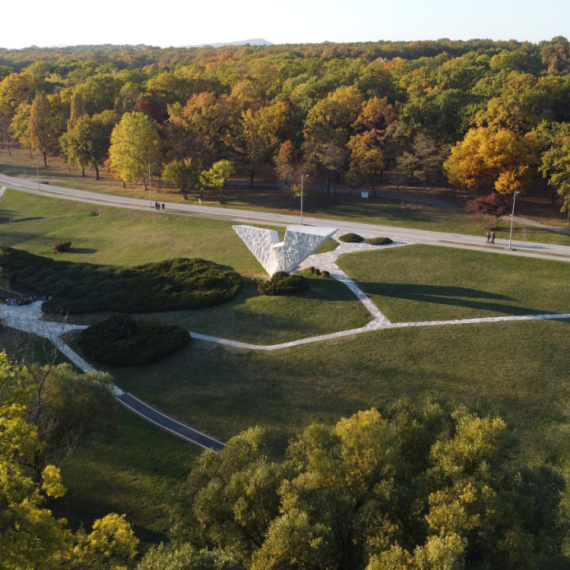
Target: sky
(177,23)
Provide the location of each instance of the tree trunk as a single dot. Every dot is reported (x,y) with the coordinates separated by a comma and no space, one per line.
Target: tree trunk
(251,178)
(96,171)
(83,172)
(9,149)
(45,158)
(373,187)
(124,184)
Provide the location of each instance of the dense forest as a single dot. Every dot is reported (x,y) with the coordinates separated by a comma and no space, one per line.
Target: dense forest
(487,115)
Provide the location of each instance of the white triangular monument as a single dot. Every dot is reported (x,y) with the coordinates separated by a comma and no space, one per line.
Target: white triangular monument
(274,256)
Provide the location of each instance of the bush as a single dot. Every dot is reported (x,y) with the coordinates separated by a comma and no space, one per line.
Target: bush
(317,271)
(282,284)
(312,269)
(379,241)
(351,238)
(124,341)
(61,246)
(326,274)
(176,284)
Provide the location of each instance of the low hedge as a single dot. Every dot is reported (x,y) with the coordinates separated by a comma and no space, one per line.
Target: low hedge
(123,341)
(61,246)
(171,285)
(379,241)
(351,238)
(283,284)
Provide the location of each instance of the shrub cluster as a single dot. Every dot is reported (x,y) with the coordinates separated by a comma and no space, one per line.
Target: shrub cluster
(379,241)
(171,285)
(351,238)
(124,341)
(61,246)
(282,284)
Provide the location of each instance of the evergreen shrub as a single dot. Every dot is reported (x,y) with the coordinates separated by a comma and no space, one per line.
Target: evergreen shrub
(123,341)
(351,238)
(283,284)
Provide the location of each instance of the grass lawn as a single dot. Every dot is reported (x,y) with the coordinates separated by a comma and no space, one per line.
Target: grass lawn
(425,283)
(130,471)
(520,368)
(328,306)
(269,199)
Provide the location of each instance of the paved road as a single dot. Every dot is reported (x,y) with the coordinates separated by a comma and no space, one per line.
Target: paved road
(403,234)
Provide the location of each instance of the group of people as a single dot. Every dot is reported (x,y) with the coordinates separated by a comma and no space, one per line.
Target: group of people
(158,206)
(490,238)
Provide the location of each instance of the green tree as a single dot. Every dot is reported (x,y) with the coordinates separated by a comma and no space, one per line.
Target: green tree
(42,128)
(87,142)
(555,161)
(415,487)
(216,177)
(77,110)
(20,126)
(183,174)
(135,143)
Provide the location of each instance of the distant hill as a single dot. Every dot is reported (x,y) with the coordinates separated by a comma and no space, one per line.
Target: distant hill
(256,42)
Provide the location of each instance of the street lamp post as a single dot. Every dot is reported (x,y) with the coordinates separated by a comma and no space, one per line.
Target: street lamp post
(303,176)
(37,170)
(149,186)
(512,219)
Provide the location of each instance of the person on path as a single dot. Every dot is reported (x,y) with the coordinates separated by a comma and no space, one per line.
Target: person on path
(488,238)
(163,206)
(492,238)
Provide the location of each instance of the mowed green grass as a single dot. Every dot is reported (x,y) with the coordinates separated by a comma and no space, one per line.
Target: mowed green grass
(519,368)
(119,236)
(426,283)
(131,470)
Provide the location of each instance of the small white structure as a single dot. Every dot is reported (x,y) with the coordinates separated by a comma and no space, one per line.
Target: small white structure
(274,256)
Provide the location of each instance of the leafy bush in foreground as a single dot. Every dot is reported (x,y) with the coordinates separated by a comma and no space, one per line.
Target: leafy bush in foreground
(170,285)
(123,341)
(282,284)
(379,241)
(351,238)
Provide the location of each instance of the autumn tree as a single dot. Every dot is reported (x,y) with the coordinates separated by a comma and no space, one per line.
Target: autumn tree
(42,130)
(487,158)
(490,209)
(288,169)
(182,173)
(135,144)
(424,159)
(255,136)
(414,487)
(31,536)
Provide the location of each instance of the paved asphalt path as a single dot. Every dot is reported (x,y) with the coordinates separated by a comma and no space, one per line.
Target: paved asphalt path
(403,234)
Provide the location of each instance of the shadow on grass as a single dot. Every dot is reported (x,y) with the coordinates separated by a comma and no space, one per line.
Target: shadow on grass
(451,296)
(82,250)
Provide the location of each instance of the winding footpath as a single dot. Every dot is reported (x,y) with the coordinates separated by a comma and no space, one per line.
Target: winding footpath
(29,318)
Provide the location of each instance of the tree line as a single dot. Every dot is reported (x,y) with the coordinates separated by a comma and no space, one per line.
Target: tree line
(486,115)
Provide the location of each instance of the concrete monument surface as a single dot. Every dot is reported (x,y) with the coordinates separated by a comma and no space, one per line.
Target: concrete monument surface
(274,256)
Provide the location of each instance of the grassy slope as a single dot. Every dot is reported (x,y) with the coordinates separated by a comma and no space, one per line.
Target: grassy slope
(421,283)
(520,367)
(130,471)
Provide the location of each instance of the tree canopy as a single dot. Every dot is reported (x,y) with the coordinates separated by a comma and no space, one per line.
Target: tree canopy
(417,486)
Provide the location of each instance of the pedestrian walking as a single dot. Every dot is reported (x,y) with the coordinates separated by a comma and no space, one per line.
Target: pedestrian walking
(492,238)
(488,238)
(163,206)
